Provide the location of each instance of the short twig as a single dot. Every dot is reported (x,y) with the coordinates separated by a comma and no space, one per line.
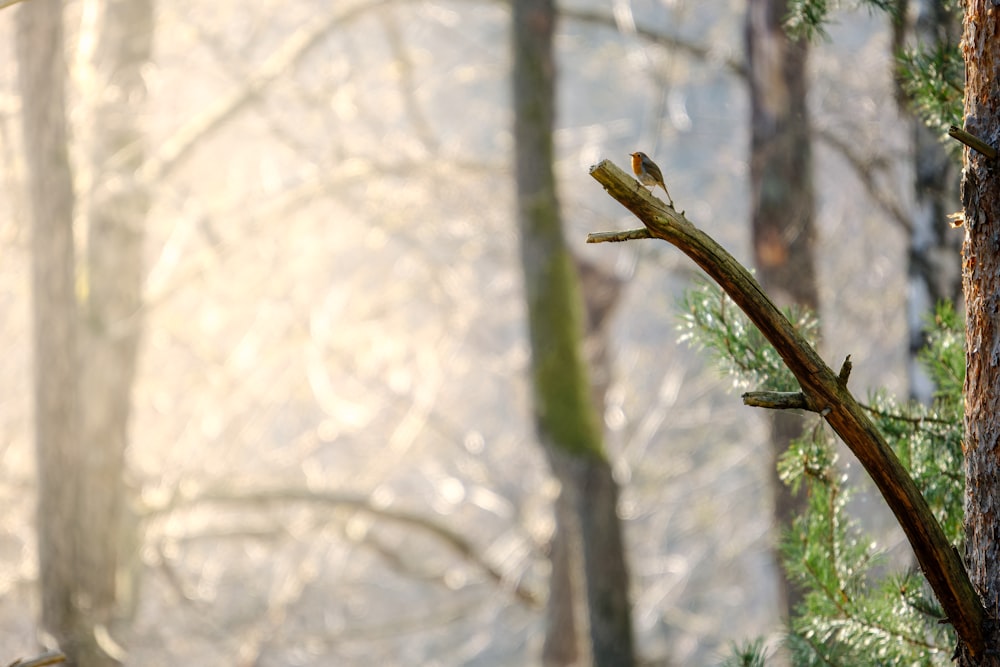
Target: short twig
(617,237)
(776,400)
(845,371)
(972,141)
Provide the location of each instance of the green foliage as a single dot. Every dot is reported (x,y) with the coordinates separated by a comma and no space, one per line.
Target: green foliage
(848,617)
(806,18)
(853,613)
(711,320)
(928,440)
(944,355)
(933,77)
(749,654)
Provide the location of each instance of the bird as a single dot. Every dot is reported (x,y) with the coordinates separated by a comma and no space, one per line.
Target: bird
(648,173)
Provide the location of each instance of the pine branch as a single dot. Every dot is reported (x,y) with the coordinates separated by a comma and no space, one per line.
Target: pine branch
(825,393)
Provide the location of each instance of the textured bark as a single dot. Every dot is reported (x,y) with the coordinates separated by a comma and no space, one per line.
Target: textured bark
(782,212)
(981,283)
(565,419)
(42,72)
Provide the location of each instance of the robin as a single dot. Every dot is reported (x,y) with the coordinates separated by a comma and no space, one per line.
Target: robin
(648,173)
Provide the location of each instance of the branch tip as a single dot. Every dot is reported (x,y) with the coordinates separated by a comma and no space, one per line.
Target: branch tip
(617,237)
(845,370)
(776,400)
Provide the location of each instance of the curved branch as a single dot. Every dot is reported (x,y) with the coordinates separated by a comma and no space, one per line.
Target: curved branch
(358,503)
(176,148)
(826,392)
(672,42)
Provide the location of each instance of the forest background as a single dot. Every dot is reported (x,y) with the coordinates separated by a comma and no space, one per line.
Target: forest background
(330,447)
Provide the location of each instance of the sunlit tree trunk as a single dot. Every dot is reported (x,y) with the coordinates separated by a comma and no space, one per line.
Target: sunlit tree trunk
(782,203)
(113,274)
(981,284)
(59,450)
(565,419)
(84,357)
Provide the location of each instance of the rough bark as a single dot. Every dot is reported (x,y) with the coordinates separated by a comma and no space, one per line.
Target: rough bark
(782,206)
(981,284)
(565,420)
(42,72)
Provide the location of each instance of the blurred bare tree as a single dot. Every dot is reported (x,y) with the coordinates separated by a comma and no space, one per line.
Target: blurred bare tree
(112,310)
(566,421)
(331,398)
(85,352)
(782,208)
(59,450)
(934,259)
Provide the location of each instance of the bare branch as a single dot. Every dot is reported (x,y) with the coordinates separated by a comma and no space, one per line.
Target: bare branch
(867,170)
(671,42)
(823,389)
(407,84)
(972,141)
(617,237)
(776,400)
(295,48)
(361,503)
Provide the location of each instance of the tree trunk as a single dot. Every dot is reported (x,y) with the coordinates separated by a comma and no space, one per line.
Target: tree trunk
(567,613)
(59,451)
(981,284)
(565,419)
(112,309)
(566,634)
(83,375)
(782,205)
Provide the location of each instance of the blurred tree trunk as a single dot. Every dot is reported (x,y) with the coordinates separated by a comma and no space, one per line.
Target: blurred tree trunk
(565,420)
(782,203)
(981,284)
(83,374)
(565,643)
(933,267)
(567,636)
(119,202)
(59,450)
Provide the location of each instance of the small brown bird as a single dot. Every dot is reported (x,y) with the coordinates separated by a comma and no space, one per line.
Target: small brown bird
(648,173)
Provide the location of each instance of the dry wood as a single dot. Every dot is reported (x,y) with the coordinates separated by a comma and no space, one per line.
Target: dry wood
(824,392)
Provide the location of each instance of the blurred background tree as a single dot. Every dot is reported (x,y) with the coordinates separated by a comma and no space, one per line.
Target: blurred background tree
(330,444)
